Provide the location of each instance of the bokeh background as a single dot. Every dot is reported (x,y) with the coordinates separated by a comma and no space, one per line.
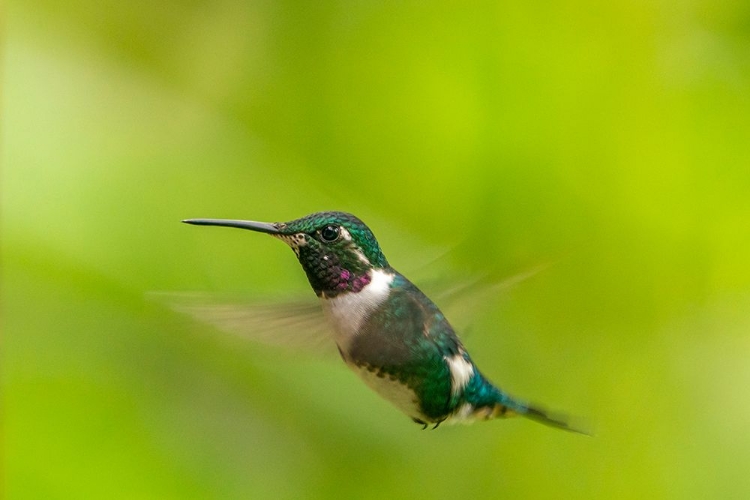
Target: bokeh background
(610,140)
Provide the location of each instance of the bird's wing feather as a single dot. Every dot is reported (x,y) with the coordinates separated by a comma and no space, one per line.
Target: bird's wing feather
(296,324)
(463,300)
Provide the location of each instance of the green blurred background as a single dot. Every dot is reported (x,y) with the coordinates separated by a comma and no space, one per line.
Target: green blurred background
(612,139)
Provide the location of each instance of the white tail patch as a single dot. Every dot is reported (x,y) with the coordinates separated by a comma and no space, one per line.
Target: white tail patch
(464,414)
(461,372)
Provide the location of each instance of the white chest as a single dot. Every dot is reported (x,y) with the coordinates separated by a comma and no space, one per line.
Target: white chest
(347,312)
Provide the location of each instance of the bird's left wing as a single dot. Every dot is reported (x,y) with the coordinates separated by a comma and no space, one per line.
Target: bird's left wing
(297,324)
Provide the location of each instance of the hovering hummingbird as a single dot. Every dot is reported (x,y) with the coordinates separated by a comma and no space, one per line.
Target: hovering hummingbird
(386,330)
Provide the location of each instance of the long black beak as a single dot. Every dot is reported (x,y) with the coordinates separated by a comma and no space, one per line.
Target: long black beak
(261,227)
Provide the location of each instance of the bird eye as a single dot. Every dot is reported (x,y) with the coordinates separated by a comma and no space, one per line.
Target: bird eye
(329,233)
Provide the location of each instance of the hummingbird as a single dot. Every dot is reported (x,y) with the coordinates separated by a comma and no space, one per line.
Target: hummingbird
(386,330)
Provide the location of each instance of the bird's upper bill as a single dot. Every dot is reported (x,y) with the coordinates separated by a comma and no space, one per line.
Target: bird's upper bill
(261,227)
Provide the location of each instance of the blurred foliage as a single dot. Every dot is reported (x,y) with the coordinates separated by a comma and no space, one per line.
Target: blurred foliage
(609,139)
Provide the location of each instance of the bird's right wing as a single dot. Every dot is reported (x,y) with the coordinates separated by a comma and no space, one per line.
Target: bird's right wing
(462,300)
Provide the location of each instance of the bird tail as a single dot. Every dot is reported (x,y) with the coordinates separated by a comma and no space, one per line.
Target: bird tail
(557,420)
(506,406)
(482,400)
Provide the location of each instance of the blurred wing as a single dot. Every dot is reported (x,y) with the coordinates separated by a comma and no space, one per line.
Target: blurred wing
(295,324)
(481,287)
(463,300)
(299,324)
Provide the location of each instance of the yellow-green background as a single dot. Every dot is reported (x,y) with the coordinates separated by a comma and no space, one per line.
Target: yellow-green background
(610,138)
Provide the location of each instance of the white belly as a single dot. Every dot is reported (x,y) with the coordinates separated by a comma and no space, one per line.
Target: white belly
(398,394)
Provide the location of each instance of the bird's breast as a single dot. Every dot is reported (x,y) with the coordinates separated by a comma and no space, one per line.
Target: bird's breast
(347,312)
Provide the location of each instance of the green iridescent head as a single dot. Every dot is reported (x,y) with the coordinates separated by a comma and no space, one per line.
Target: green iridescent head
(336,249)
